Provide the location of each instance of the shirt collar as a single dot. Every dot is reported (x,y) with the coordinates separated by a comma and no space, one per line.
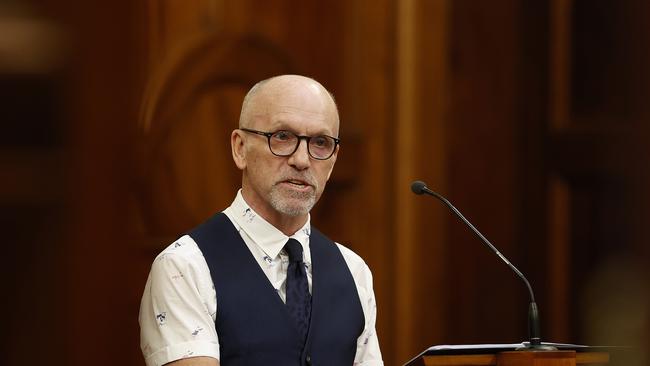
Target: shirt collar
(266,236)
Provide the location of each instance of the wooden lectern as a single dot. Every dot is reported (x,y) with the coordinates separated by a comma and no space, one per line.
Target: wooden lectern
(496,357)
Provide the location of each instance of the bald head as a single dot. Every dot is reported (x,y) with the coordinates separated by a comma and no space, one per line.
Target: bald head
(279,90)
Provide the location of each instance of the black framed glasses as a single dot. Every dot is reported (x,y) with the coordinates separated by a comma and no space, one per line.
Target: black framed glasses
(285,143)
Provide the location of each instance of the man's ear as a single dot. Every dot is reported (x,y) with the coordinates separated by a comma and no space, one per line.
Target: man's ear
(238,149)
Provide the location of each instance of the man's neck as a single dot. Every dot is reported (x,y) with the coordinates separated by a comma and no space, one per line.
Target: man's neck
(287,224)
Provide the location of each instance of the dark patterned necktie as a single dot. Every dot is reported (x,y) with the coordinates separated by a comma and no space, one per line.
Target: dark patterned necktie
(298,297)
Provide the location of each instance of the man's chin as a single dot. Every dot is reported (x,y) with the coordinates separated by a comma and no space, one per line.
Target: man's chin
(296,208)
(292,203)
(292,206)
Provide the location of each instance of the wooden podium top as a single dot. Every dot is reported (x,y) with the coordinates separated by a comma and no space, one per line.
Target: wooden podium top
(516,358)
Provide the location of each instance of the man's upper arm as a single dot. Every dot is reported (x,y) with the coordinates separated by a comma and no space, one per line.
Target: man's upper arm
(368,352)
(175,315)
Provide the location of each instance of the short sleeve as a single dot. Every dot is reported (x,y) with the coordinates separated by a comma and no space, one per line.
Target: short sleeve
(178,307)
(368,352)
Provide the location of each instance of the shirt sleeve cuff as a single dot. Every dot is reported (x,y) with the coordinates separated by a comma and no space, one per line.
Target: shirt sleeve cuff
(183,350)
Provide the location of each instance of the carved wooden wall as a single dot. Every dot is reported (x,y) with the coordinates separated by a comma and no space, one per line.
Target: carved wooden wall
(529,116)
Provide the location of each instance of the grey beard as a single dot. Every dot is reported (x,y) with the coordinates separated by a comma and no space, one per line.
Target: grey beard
(298,204)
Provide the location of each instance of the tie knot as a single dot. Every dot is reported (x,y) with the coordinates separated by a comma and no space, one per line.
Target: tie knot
(294,250)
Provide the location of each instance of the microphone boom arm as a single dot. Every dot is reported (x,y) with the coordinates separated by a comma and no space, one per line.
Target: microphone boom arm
(419,187)
(483,238)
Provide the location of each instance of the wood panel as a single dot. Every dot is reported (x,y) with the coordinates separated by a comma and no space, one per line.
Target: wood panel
(598,125)
(367,109)
(489,302)
(594,147)
(426,154)
(498,105)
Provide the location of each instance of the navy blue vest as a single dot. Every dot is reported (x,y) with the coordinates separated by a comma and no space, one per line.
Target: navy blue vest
(252,322)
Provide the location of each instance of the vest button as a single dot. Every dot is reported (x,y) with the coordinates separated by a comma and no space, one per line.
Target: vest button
(308,360)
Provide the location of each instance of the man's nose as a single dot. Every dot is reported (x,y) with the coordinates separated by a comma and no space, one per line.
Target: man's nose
(300,158)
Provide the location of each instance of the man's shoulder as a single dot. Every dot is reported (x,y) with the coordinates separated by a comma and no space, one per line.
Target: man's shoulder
(183,246)
(181,252)
(349,254)
(355,262)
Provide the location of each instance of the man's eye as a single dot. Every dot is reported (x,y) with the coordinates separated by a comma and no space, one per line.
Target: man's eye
(320,141)
(283,135)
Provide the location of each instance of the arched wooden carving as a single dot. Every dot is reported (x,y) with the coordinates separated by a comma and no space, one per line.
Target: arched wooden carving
(191,104)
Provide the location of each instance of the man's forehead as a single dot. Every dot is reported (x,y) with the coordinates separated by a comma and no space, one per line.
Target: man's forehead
(306,98)
(291,100)
(296,120)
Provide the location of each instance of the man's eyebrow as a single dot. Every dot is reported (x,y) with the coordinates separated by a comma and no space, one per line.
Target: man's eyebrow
(283,126)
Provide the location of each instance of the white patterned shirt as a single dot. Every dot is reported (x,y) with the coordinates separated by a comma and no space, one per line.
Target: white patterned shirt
(179,304)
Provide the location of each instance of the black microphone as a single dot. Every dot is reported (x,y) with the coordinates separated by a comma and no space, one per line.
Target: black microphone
(535,340)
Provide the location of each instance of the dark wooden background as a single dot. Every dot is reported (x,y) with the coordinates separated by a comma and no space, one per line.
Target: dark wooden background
(532,117)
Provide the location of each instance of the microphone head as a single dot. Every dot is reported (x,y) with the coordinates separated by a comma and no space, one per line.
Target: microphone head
(418,187)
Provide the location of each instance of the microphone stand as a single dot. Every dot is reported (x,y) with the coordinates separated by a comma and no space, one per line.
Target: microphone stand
(535,340)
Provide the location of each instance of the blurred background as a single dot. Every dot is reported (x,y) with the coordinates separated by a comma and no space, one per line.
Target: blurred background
(532,117)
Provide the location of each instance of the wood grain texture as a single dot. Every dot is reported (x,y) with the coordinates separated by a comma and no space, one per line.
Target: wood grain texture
(491,103)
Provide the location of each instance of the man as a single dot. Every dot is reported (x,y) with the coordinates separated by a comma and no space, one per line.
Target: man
(257,284)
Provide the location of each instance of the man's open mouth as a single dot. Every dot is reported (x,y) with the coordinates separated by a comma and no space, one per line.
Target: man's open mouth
(298,183)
